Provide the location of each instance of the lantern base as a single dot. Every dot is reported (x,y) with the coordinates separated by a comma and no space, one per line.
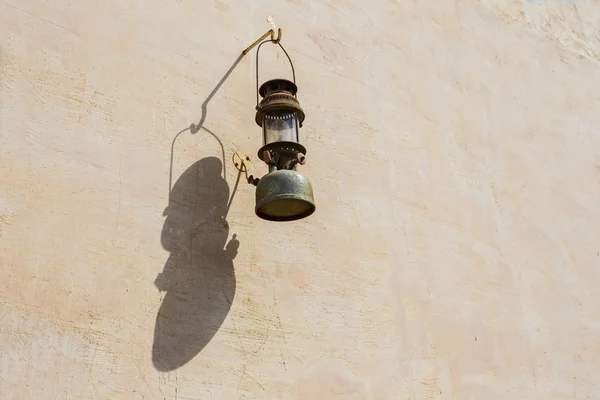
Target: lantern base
(284,195)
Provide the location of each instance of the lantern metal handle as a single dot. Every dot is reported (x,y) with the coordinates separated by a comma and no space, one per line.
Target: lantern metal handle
(274,41)
(288,57)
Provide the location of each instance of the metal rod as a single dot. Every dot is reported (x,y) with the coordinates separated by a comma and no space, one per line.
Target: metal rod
(263,37)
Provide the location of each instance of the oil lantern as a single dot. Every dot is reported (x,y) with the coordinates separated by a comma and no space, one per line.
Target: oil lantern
(283,194)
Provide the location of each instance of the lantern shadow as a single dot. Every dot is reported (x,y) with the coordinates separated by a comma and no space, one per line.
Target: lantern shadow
(198,276)
(194,128)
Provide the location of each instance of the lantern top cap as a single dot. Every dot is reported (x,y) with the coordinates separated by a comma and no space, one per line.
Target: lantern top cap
(278,85)
(278,94)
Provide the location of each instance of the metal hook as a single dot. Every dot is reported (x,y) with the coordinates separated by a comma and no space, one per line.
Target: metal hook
(263,37)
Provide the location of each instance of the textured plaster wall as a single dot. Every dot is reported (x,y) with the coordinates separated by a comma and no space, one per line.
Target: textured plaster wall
(454,151)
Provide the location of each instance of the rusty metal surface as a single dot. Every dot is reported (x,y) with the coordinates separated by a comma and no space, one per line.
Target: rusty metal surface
(284,195)
(278,94)
(281,153)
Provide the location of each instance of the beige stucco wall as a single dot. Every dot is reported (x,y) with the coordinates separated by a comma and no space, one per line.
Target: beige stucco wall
(454,152)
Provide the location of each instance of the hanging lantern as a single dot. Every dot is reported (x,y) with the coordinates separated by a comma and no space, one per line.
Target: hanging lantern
(283,194)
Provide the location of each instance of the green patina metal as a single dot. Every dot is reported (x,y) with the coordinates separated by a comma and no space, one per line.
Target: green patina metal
(284,195)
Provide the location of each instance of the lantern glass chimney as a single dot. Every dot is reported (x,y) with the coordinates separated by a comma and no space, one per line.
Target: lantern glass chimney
(280,126)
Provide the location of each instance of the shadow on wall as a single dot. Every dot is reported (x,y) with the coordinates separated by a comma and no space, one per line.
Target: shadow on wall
(195,128)
(199,275)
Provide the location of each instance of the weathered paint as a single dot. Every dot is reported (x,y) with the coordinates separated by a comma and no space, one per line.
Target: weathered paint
(453,150)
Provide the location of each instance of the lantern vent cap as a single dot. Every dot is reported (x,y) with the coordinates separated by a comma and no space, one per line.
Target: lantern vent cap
(278,85)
